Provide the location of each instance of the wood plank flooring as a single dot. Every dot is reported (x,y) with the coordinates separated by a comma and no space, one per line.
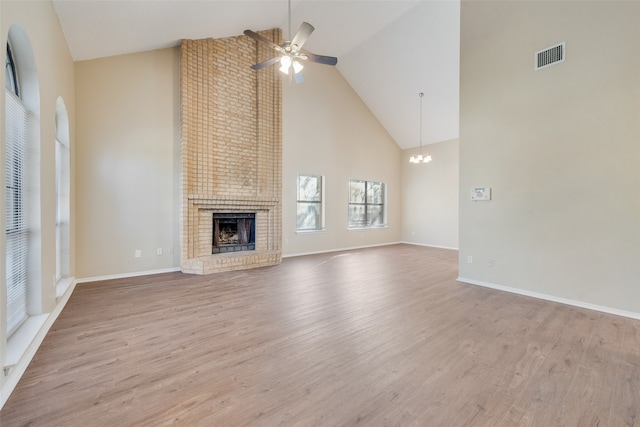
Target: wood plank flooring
(374,337)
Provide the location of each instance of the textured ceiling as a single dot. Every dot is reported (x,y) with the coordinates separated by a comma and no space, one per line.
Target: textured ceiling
(388,51)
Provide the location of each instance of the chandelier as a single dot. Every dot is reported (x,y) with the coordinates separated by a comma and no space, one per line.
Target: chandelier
(420,158)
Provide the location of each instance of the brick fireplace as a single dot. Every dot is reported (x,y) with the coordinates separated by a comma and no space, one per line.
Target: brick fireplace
(231,146)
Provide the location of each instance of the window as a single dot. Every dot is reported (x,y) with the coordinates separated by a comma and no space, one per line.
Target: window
(10,68)
(62,189)
(16,226)
(366,204)
(309,203)
(23,258)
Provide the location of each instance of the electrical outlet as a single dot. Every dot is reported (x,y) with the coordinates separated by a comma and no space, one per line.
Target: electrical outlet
(138,253)
(159,251)
(469,259)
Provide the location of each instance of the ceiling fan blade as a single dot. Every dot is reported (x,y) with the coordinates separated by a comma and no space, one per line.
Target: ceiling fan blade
(301,36)
(262,39)
(320,59)
(266,63)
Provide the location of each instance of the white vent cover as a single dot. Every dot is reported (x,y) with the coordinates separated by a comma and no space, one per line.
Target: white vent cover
(549,56)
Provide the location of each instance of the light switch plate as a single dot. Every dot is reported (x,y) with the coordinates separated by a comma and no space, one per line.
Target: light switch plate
(481,193)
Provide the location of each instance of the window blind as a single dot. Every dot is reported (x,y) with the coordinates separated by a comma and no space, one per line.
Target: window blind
(16,227)
(62,208)
(58,155)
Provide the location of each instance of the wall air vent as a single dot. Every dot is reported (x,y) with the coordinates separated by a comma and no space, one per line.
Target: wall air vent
(549,56)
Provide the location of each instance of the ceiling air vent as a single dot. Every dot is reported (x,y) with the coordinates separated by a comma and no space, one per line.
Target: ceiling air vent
(550,56)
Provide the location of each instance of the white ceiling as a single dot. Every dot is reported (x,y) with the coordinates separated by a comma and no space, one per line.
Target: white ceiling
(388,50)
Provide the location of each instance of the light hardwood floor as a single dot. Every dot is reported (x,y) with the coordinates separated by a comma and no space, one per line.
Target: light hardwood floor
(375,337)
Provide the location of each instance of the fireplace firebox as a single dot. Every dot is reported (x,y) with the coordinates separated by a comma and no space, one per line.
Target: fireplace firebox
(233,232)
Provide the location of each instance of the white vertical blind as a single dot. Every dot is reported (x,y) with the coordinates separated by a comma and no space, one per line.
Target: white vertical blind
(17,227)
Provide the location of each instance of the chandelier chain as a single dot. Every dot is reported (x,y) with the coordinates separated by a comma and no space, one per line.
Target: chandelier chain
(420,158)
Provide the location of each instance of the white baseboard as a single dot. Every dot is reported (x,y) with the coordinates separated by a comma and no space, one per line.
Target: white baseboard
(575,303)
(430,246)
(340,249)
(125,275)
(21,352)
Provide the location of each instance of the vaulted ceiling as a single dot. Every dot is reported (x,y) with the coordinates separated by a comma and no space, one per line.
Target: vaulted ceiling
(388,50)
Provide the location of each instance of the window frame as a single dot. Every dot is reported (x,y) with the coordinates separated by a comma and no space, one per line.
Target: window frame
(320,225)
(366,224)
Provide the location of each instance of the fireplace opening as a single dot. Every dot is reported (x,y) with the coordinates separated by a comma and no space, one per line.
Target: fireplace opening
(233,232)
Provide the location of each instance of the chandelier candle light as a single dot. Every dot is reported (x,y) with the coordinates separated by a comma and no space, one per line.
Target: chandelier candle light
(420,158)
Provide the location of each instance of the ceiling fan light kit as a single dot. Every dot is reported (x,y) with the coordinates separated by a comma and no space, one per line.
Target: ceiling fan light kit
(290,51)
(420,158)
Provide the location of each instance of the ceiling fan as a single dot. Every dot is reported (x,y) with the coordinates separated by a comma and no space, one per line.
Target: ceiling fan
(291,52)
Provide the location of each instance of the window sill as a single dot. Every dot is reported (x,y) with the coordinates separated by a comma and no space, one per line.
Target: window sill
(19,342)
(62,285)
(320,230)
(381,227)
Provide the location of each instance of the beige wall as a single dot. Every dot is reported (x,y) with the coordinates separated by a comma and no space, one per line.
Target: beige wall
(559,147)
(56,79)
(430,197)
(128,133)
(128,163)
(328,131)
